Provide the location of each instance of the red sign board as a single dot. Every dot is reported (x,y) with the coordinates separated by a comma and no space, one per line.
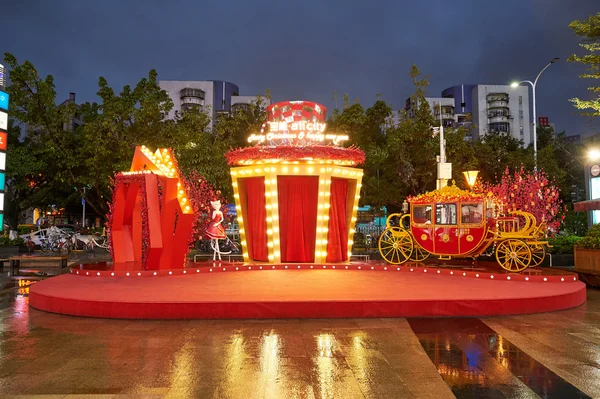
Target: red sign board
(543,121)
(3,141)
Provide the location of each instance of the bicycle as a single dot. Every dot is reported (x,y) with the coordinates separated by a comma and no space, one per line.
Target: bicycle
(84,242)
(45,244)
(29,244)
(100,241)
(63,244)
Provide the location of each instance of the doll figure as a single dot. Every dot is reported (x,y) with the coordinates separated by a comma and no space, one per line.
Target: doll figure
(215,230)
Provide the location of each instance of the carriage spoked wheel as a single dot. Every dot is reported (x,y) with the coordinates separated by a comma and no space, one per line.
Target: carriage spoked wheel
(396,245)
(538,253)
(513,255)
(419,253)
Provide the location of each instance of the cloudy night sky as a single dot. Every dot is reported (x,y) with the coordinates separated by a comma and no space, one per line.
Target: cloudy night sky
(306,50)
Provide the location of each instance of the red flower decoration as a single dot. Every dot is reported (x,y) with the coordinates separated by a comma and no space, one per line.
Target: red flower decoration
(267,154)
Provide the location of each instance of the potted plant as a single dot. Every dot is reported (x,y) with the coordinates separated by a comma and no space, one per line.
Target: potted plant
(8,247)
(562,248)
(587,252)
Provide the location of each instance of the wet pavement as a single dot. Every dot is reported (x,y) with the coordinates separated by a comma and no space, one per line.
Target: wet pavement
(555,355)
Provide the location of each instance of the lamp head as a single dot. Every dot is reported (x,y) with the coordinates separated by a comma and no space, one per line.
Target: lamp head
(471,176)
(554,60)
(594,154)
(514,84)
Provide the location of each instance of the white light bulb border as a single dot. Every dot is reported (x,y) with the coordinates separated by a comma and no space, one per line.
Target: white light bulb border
(363,267)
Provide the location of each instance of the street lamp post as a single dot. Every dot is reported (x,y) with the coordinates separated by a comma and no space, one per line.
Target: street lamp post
(533,84)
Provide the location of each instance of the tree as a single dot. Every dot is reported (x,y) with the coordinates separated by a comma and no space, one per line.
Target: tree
(413,146)
(86,156)
(531,192)
(367,129)
(497,151)
(589,31)
(112,129)
(205,151)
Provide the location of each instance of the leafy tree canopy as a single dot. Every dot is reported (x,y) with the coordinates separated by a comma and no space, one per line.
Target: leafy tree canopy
(589,32)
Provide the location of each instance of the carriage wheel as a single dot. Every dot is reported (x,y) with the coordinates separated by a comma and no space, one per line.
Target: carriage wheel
(419,253)
(538,253)
(513,255)
(395,245)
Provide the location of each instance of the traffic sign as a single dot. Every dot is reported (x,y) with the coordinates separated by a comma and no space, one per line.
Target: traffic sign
(83,201)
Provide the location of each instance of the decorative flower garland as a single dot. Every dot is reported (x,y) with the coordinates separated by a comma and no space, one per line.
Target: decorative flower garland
(533,192)
(286,153)
(446,194)
(200,193)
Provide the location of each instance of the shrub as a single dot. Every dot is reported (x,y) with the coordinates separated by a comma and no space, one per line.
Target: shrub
(4,241)
(591,240)
(26,228)
(17,241)
(563,244)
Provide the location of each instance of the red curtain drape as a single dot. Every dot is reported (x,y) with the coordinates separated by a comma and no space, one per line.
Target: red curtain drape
(298,199)
(337,236)
(256,218)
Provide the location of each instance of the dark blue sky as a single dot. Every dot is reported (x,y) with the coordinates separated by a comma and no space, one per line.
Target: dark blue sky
(306,49)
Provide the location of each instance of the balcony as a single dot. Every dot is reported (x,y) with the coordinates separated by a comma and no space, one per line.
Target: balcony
(191,93)
(497,100)
(499,118)
(499,115)
(497,97)
(192,101)
(499,127)
(497,104)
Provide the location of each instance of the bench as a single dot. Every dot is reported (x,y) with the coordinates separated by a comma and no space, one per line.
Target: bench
(15,261)
(365,257)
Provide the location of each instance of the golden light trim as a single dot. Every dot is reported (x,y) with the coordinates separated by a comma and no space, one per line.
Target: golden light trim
(317,168)
(160,164)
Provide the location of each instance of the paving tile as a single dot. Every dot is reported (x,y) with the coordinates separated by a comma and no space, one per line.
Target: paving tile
(48,355)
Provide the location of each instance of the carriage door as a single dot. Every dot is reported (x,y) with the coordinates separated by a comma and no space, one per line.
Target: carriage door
(472,226)
(446,230)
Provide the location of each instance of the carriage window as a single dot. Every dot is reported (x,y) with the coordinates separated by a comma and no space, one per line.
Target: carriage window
(421,214)
(445,214)
(471,213)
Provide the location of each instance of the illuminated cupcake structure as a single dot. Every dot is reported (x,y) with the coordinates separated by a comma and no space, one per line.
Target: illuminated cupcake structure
(296,190)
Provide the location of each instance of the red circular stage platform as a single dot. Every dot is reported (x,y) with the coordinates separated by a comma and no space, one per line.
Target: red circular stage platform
(306,291)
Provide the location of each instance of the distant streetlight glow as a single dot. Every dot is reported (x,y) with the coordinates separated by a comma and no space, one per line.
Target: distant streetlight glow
(594,155)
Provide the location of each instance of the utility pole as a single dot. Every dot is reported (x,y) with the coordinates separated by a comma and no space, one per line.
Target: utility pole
(444,170)
(83,203)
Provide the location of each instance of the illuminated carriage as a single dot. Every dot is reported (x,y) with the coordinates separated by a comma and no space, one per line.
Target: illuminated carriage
(451,222)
